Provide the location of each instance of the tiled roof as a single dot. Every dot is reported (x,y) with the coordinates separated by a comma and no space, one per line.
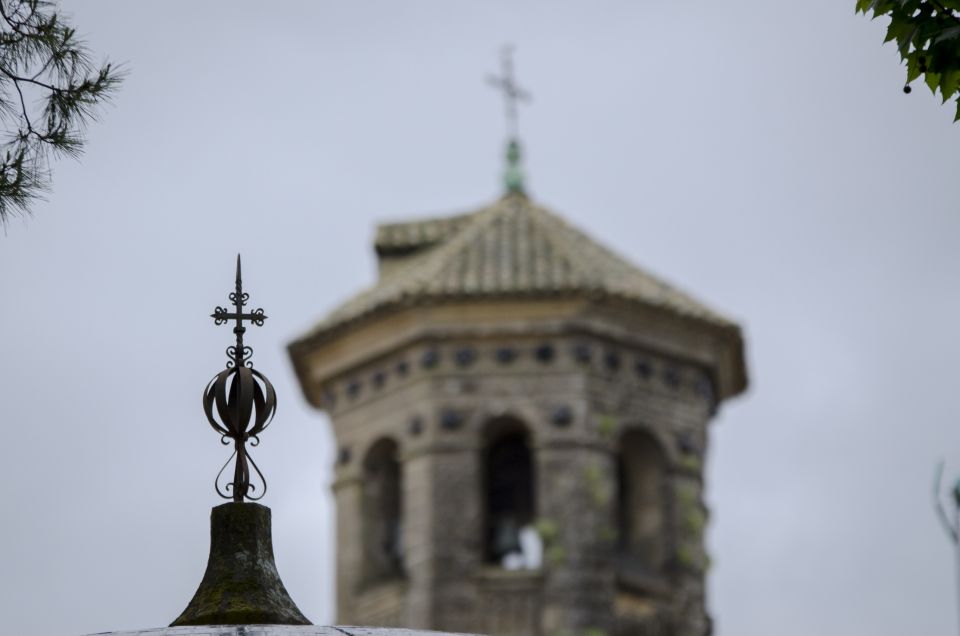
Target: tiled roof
(512,248)
(403,237)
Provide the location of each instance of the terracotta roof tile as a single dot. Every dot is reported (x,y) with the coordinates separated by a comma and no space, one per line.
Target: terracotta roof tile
(512,247)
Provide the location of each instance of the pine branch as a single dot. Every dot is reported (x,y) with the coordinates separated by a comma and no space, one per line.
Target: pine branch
(49,91)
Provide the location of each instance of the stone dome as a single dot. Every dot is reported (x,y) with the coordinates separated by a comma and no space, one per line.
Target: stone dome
(273,630)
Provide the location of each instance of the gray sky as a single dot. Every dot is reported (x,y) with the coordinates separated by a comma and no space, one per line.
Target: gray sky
(758,154)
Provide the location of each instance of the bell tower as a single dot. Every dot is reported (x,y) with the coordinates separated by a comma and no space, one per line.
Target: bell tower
(522,419)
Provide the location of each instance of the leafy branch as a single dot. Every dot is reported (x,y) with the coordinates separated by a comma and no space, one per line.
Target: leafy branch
(49,90)
(927,33)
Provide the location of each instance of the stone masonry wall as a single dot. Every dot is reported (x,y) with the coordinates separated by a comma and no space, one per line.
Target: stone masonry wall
(576,393)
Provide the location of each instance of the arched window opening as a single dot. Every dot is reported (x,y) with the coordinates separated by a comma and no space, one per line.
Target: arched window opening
(641,517)
(382,512)
(510,538)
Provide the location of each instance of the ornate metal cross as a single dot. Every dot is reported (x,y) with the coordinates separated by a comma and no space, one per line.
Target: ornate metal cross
(511,92)
(239,402)
(220,315)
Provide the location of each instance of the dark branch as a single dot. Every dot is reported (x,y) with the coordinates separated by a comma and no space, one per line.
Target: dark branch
(41,57)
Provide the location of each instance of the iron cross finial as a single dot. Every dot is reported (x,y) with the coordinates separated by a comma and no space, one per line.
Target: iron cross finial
(511,92)
(513,178)
(239,353)
(239,402)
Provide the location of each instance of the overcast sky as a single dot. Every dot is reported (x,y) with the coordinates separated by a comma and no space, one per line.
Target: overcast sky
(759,154)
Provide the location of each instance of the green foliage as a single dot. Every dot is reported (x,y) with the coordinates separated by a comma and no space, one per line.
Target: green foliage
(694,522)
(693,559)
(691,463)
(49,90)
(547,529)
(556,555)
(927,33)
(686,557)
(599,488)
(549,532)
(607,426)
(687,496)
(692,516)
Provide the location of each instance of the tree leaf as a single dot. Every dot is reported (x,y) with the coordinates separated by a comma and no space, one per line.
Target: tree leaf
(947,34)
(906,38)
(949,82)
(913,69)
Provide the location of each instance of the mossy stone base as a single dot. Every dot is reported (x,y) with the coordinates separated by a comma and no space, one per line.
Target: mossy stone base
(241,585)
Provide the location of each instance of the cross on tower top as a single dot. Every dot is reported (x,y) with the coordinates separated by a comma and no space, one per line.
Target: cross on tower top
(511,92)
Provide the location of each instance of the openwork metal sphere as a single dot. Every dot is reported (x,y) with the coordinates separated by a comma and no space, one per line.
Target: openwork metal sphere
(240,403)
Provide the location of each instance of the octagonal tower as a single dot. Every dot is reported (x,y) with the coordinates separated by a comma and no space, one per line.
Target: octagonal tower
(522,419)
